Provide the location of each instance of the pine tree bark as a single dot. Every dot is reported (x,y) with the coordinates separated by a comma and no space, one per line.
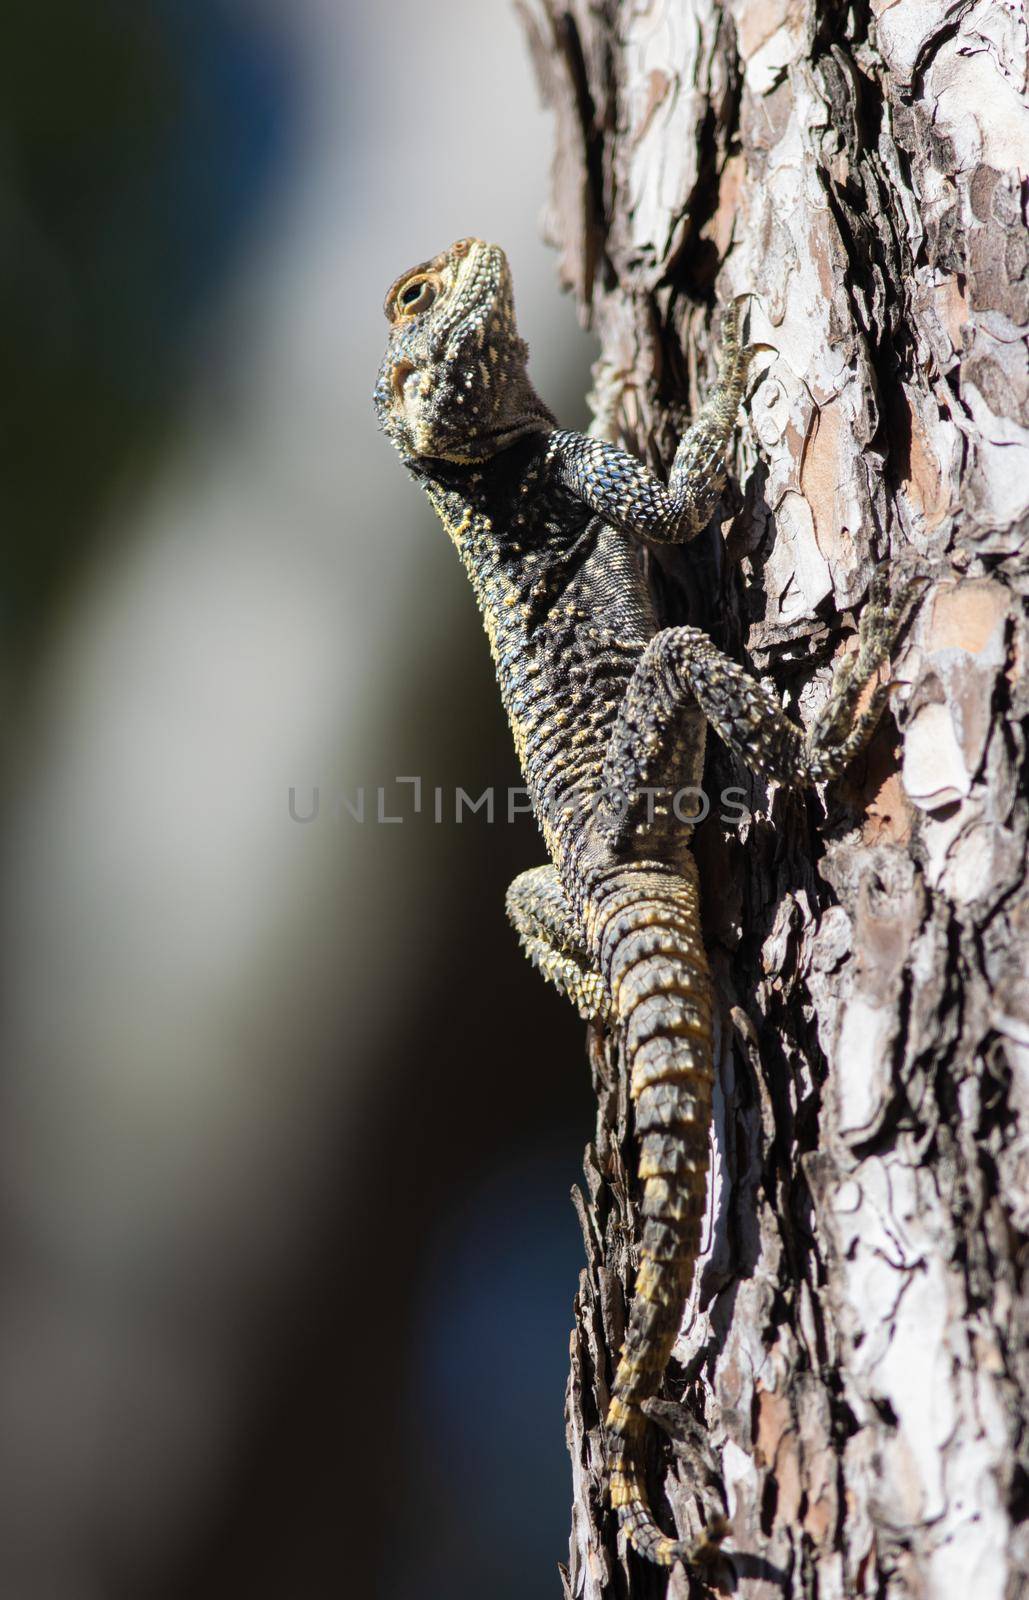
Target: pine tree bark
(852,1379)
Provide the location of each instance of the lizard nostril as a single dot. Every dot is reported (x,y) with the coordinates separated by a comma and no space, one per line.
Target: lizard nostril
(401,372)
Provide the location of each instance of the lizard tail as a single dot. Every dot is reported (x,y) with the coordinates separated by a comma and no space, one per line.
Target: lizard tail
(647,928)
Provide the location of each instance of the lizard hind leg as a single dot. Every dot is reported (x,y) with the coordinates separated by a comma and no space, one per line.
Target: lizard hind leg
(681,670)
(542,917)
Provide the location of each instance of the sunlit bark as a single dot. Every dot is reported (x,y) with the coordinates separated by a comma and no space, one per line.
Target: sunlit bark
(856,1342)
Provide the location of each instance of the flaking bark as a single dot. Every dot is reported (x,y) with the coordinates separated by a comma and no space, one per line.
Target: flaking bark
(855,1347)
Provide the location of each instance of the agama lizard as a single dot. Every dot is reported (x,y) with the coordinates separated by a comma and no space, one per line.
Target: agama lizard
(607,711)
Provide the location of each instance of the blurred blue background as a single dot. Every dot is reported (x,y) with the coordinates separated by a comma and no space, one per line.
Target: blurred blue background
(287,1127)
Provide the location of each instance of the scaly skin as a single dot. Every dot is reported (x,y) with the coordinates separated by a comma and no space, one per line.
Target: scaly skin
(605,709)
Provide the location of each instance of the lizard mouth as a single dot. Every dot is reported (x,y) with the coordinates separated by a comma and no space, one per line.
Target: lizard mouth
(474,446)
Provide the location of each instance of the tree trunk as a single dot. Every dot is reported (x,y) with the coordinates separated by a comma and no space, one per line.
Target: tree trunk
(853,1359)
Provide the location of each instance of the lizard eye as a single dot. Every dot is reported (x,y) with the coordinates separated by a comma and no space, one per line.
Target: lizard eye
(416,296)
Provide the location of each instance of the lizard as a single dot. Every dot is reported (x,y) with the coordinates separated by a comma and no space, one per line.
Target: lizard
(608,710)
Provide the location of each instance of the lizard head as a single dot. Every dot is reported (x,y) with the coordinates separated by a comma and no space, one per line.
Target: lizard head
(453,384)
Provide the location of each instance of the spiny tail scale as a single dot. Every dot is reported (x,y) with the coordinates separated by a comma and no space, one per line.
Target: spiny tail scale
(644,921)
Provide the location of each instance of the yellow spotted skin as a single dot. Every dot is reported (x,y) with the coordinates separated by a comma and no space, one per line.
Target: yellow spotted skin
(609,715)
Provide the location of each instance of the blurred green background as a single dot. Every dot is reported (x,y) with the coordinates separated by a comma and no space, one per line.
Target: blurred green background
(287,1127)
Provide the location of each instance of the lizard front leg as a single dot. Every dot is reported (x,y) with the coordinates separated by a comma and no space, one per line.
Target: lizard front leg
(542,917)
(626,494)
